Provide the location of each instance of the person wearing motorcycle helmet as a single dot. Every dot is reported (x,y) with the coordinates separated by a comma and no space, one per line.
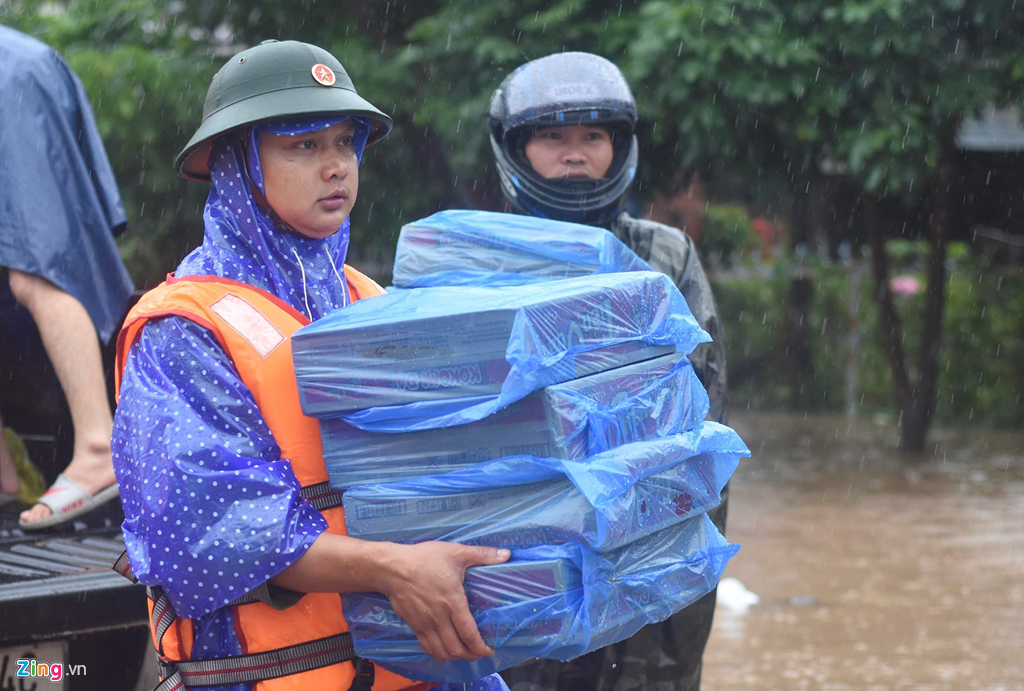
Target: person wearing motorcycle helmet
(566,91)
(562,133)
(229,518)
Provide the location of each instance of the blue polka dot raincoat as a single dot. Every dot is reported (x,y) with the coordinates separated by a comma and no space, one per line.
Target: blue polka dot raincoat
(212,511)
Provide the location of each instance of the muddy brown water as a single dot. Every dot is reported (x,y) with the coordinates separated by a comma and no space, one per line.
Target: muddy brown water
(872,577)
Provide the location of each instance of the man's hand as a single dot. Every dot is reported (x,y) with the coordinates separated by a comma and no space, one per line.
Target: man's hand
(424,584)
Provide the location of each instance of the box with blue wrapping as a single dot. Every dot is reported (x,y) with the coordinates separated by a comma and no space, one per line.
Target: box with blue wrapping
(554,601)
(647,400)
(603,501)
(483,248)
(437,357)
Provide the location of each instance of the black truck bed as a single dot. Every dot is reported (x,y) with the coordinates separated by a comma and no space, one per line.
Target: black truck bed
(57,589)
(57,586)
(59,582)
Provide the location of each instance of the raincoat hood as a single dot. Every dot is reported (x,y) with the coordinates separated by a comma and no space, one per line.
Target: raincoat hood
(243,243)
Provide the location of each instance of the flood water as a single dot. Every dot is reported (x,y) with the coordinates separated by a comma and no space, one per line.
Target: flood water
(871,577)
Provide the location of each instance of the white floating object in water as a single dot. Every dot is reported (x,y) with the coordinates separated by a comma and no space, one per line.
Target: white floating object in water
(734,596)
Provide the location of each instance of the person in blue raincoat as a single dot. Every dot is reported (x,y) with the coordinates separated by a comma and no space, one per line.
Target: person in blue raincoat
(59,213)
(282,136)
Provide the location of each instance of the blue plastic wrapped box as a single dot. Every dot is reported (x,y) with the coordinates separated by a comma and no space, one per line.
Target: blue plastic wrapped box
(437,357)
(518,581)
(647,400)
(483,248)
(603,501)
(555,601)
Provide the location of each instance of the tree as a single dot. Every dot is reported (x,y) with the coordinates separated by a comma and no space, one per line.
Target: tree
(878,85)
(943,61)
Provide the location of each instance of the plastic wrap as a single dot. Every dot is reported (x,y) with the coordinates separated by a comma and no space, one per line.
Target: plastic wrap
(483,248)
(437,357)
(604,501)
(572,420)
(555,601)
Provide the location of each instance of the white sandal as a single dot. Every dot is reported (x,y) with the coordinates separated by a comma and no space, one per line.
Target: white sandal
(67,501)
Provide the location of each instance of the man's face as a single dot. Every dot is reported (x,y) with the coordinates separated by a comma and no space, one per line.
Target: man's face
(311,179)
(570,151)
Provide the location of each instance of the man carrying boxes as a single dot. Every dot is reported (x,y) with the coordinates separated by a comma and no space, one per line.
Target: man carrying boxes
(562,134)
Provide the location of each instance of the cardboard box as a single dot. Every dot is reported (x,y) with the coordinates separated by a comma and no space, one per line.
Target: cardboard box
(539,513)
(572,420)
(455,343)
(548,608)
(461,247)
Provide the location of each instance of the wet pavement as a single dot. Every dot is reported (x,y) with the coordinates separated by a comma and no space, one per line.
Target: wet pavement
(872,576)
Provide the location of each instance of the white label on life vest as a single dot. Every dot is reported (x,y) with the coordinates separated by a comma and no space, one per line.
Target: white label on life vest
(249,322)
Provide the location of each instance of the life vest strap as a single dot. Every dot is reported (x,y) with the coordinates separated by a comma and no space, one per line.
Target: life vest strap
(124,567)
(255,667)
(321,496)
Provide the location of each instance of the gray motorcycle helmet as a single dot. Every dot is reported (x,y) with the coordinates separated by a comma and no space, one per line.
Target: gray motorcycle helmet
(564,89)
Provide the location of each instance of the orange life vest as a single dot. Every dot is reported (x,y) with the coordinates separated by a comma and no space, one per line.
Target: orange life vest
(255,330)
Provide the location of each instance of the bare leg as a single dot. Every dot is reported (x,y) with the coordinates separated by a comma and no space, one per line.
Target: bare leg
(73,347)
(8,473)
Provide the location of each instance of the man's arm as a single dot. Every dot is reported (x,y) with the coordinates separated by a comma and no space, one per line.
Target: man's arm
(201,475)
(423,583)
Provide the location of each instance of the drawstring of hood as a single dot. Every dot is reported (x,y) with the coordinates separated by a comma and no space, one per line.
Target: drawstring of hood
(337,273)
(305,293)
(242,241)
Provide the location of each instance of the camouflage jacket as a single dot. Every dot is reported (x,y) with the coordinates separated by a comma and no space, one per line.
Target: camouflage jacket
(672,252)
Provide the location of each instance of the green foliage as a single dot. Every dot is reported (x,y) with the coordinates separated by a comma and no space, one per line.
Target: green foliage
(912,253)
(780,86)
(775,87)
(728,237)
(981,377)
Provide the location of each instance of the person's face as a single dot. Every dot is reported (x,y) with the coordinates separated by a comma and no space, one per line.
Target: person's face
(311,179)
(570,151)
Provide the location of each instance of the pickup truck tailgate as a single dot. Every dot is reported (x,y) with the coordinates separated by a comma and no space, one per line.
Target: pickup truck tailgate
(57,583)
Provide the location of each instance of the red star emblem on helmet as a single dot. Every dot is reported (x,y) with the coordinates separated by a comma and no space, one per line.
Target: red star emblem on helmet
(323,74)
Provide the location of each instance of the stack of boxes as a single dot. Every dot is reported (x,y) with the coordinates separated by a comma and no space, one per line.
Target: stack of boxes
(559,418)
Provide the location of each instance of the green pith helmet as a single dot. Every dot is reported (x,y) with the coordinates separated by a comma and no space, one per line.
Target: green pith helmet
(274,80)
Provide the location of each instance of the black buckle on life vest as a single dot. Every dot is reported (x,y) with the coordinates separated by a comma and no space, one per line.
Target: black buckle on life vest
(364,675)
